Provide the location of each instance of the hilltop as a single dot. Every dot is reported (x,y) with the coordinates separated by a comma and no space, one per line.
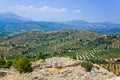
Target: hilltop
(61,41)
(59,68)
(48,42)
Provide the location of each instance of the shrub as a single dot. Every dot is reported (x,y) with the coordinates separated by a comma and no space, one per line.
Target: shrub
(5,64)
(87,65)
(14,62)
(8,64)
(2,62)
(53,55)
(24,65)
(66,56)
(40,56)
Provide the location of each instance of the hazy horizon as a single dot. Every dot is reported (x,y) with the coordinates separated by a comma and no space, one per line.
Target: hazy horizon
(64,10)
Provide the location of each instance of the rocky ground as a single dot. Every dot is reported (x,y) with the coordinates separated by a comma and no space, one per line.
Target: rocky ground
(59,68)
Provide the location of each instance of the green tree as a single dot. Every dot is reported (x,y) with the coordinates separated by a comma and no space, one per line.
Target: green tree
(2,62)
(8,64)
(53,55)
(14,62)
(24,65)
(87,65)
(40,55)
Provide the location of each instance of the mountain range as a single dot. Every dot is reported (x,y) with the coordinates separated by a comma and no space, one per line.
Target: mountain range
(11,23)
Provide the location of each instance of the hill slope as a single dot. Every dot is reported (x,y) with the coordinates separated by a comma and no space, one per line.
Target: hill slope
(63,41)
(54,41)
(81,45)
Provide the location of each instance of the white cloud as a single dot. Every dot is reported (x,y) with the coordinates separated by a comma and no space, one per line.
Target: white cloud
(44,13)
(38,9)
(77,11)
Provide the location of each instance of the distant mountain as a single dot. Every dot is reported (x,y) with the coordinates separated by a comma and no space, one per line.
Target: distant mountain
(11,23)
(11,16)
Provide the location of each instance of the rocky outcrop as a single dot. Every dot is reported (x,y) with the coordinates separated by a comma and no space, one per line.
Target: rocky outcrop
(2,73)
(59,68)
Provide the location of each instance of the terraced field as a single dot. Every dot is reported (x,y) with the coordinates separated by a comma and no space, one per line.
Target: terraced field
(111,54)
(106,58)
(113,67)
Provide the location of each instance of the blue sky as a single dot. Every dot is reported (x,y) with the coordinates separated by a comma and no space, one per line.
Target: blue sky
(64,10)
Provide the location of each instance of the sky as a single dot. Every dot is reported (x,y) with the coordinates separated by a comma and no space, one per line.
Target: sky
(64,10)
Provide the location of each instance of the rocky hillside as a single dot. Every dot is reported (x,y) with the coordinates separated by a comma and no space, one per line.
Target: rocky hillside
(59,68)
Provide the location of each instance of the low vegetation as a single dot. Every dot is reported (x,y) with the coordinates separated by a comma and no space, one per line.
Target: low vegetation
(40,55)
(4,63)
(87,65)
(24,65)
